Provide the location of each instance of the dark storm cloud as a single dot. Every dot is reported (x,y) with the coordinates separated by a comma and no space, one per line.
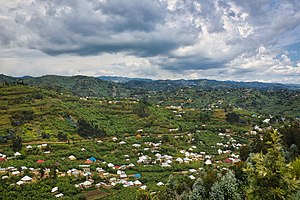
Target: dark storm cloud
(93,27)
(176,35)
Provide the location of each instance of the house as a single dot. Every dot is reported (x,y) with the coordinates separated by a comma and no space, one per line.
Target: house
(131,165)
(136,145)
(220,151)
(165,164)
(99,170)
(119,172)
(86,184)
(71,157)
(17,154)
(15,173)
(40,161)
(26,179)
(192,177)
(160,184)
(208,162)
(123,175)
(227,160)
(143,187)
(128,184)
(88,161)
(137,183)
(29,147)
(93,159)
(54,190)
(110,165)
(60,195)
(44,145)
(180,160)
(140,131)
(137,175)
(20,183)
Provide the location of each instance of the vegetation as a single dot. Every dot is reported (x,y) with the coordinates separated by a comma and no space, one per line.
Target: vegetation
(161,120)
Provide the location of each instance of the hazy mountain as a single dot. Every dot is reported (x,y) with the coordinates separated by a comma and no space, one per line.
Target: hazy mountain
(120,79)
(107,86)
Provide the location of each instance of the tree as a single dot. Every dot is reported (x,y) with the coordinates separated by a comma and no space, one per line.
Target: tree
(53,172)
(205,116)
(17,143)
(291,135)
(143,195)
(176,188)
(198,190)
(232,117)
(87,130)
(141,109)
(269,177)
(226,188)
(42,172)
(62,136)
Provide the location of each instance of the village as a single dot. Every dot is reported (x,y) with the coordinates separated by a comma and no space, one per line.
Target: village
(87,148)
(139,152)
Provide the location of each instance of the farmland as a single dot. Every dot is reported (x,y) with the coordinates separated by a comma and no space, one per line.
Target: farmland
(126,147)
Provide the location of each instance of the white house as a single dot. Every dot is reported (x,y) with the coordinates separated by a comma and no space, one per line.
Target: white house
(59,195)
(160,184)
(17,154)
(26,179)
(55,189)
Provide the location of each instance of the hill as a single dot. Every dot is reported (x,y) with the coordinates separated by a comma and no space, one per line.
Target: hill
(75,85)
(206,84)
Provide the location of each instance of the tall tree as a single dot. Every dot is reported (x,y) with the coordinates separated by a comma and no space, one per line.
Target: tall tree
(269,177)
(17,142)
(226,188)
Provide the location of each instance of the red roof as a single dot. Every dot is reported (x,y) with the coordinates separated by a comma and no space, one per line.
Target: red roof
(227,160)
(40,161)
(117,167)
(2,159)
(88,161)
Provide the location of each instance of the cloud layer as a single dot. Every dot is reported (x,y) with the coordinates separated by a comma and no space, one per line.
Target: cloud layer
(221,39)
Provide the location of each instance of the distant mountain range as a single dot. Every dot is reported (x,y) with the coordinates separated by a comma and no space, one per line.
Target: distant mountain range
(119,79)
(114,86)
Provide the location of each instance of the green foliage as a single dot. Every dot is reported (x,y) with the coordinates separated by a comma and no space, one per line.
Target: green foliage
(17,143)
(296,167)
(291,134)
(198,190)
(143,195)
(141,109)
(205,116)
(226,189)
(87,130)
(176,187)
(232,117)
(62,136)
(268,175)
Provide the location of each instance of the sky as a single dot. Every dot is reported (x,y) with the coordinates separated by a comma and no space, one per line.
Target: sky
(241,40)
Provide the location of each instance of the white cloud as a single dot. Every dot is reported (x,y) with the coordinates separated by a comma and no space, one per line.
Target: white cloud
(240,40)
